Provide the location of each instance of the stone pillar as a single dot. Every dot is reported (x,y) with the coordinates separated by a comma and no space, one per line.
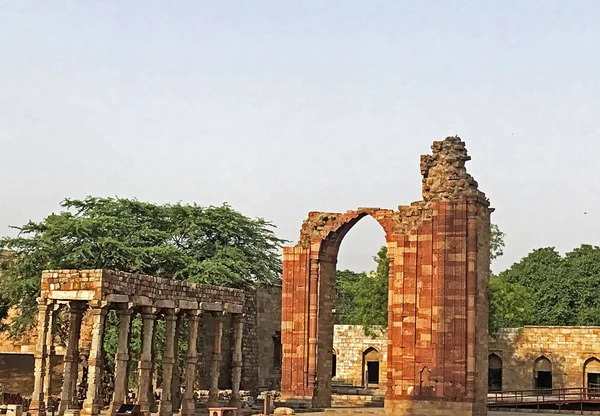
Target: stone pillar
(236,376)
(188,406)
(68,398)
(215,366)
(121,360)
(146,361)
(169,361)
(40,355)
(51,351)
(93,400)
(176,384)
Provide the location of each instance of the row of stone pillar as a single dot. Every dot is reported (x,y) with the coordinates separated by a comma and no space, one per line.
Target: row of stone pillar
(93,403)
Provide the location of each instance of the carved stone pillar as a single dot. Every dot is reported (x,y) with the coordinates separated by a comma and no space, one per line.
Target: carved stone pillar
(188,406)
(213,392)
(169,361)
(51,351)
(236,376)
(93,400)
(146,361)
(121,360)
(68,398)
(40,355)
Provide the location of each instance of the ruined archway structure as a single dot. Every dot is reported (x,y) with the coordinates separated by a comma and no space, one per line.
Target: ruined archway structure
(439,250)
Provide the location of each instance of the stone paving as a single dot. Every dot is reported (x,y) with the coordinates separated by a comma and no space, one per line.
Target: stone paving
(379,411)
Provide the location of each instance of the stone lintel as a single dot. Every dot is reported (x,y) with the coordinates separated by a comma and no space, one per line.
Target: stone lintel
(188,305)
(142,300)
(211,306)
(165,304)
(233,308)
(72,294)
(114,298)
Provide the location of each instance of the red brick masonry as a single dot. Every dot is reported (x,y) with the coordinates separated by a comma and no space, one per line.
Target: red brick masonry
(439,272)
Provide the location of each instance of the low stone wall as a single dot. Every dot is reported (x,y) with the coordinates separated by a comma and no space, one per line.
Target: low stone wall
(569,349)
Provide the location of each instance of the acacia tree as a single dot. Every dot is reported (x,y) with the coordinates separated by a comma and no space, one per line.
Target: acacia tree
(215,245)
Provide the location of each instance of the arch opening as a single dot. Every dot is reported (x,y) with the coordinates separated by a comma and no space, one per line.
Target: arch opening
(591,373)
(346,289)
(371,367)
(542,374)
(494,373)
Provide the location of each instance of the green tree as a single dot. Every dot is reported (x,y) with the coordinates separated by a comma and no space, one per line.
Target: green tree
(511,305)
(215,245)
(362,297)
(496,242)
(560,290)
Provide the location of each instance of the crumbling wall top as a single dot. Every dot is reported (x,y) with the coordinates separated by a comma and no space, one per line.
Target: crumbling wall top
(444,173)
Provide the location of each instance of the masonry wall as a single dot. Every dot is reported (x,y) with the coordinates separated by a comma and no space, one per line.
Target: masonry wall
(567,348)
(349,345)
(268,330)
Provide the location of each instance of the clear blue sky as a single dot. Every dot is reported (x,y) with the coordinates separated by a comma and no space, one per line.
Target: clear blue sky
(283,107)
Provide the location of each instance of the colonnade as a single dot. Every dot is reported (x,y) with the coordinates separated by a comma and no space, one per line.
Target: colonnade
(173,318)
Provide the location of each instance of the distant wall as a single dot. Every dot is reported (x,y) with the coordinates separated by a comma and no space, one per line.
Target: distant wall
(16,374)
(567,348)
(269,337)
(349,345)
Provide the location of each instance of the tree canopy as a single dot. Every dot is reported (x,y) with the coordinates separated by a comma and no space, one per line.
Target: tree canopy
(545,288)
(214,244)
(362,297)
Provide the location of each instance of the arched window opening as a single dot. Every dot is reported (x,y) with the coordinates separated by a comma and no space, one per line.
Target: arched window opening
(591,372)
(494,373)
(370,367)
(543,375)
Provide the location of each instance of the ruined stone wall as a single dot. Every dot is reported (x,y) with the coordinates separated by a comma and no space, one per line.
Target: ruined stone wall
(567,348)
(349,344)
(268,300)
(143,290)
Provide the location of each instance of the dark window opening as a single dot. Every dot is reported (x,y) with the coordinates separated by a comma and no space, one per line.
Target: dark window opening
(333,365)
(277,353)
(495,379)
(373,372)
(543,381)
(593,380)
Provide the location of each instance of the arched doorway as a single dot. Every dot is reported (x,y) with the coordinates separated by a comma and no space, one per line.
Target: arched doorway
(370,367)
(318,284)
(591,373)
(494,373)
(542,373)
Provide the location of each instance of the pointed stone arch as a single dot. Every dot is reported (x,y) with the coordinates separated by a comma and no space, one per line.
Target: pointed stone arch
(437,304)
(591,373)
(542,373)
